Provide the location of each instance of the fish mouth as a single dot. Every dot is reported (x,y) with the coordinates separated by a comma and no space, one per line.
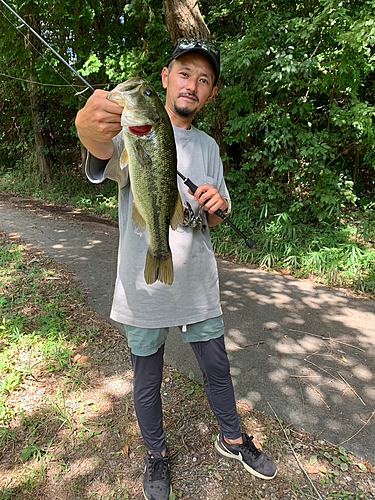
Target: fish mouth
(141,130)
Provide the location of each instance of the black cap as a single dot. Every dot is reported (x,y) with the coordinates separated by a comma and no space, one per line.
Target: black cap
(203,47)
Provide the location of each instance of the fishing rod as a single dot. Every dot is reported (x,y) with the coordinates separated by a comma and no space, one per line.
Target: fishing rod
(249,242)
(51,49)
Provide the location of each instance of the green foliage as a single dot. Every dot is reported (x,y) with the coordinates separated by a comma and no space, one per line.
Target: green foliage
(334,253)
(298,107)
(296,117)
(106,42)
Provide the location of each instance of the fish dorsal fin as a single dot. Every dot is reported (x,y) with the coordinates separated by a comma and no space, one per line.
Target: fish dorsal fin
(178,214)
(138,220)
(124,159)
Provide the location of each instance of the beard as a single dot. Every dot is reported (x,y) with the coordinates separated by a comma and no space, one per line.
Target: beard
(184,111)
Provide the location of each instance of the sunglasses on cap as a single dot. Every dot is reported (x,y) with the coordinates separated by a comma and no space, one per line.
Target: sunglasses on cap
(191,43)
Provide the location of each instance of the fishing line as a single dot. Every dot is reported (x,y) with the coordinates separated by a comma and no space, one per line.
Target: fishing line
(99,85)
(47,45)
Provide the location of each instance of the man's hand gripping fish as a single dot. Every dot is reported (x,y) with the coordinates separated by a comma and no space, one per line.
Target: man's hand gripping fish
(150,152)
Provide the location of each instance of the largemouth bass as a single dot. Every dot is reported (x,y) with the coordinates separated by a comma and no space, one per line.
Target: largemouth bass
(150,153)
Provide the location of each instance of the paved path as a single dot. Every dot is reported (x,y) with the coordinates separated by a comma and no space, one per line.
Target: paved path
(306,350)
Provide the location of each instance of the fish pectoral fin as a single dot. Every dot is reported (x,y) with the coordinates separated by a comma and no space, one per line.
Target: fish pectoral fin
(158,269)
(142,155)
(138,220)
(178,214)
(124,159)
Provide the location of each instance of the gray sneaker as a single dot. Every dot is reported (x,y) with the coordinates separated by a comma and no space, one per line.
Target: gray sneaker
(156,480)
(255,461)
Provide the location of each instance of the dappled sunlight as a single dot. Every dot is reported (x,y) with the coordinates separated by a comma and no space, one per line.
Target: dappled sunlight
(94,420)
(91,244)
(282,299)
(253,396)
(309,352)
(369,393)
(271,325)
(292,346)
(235,339)
(288,340)
(82,466)
(279,375)
(294,320)
(119,386)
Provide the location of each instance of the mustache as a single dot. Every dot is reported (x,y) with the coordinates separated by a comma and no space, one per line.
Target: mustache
(189,94)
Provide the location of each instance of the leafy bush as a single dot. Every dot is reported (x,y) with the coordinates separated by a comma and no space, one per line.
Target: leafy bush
(298,109)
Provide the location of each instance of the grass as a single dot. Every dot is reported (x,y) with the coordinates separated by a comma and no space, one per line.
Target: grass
(73,189)
(44,322)
(37,333)
(337,254)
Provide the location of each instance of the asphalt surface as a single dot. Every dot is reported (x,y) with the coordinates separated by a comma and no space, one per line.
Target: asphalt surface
(303,351)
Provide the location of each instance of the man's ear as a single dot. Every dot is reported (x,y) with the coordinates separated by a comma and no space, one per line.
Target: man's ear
(164,77)
(212,95)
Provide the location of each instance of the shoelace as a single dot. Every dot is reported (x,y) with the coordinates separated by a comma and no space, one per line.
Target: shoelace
(157,468)
(249,447)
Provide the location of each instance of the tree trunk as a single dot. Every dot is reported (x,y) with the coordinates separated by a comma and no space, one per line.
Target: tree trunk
(184,19)
(42,133)
(42,138)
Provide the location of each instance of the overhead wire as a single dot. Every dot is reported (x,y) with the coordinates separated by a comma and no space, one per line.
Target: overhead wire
(99,85)
(37,83)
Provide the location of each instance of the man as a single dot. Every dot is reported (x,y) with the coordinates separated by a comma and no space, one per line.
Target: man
(192,302)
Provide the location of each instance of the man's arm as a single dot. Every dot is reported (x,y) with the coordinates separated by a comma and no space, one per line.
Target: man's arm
(98,122)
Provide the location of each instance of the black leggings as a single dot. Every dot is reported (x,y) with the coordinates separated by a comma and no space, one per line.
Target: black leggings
(214,363)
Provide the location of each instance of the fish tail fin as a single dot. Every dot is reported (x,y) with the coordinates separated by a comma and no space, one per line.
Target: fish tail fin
(178,214)
(159,269)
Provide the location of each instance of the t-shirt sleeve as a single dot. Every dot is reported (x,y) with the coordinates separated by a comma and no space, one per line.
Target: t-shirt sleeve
(97,170)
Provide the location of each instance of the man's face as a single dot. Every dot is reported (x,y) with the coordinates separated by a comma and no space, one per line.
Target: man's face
(189,84)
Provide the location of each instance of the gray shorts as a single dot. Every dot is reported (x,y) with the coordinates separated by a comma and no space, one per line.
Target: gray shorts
(147,341)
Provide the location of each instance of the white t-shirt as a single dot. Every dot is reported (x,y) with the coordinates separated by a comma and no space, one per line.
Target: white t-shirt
(194,295)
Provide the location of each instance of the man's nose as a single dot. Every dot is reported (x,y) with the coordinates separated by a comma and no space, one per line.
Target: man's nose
(192,85)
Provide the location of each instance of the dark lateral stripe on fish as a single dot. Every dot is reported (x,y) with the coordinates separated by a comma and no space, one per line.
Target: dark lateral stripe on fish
(142,130)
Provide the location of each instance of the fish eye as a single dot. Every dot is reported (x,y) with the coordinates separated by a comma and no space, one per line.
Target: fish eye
(148,93)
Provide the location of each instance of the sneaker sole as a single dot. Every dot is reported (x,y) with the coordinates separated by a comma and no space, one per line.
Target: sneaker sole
(220,451)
